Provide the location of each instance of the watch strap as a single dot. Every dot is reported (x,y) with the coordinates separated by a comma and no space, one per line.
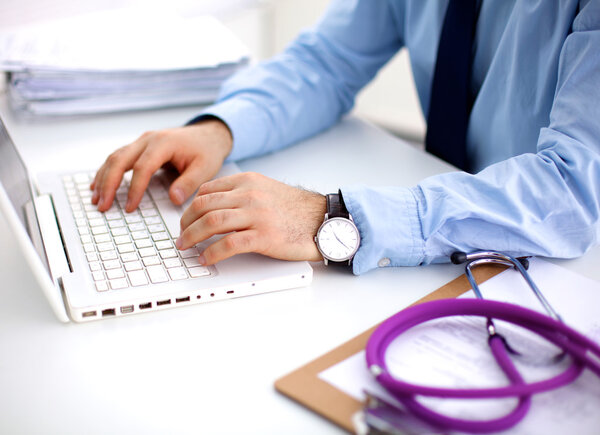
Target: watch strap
(336,206)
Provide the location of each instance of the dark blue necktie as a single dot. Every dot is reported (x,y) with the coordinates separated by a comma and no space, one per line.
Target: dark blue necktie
(450,103)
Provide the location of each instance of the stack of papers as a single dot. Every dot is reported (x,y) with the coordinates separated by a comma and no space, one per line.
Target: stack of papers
(118,60)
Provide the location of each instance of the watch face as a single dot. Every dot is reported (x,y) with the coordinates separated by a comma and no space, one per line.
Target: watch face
(338,239)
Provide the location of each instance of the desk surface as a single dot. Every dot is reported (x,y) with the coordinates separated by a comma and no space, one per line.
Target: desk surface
(206,368)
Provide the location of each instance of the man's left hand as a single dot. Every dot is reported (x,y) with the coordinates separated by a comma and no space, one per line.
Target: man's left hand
(257,214)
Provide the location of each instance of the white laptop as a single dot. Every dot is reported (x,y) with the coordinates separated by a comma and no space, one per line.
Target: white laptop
(93,265)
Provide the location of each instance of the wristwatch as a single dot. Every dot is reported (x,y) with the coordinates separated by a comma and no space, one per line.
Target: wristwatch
(338,238)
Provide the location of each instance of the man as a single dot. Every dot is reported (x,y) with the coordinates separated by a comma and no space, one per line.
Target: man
(531,136)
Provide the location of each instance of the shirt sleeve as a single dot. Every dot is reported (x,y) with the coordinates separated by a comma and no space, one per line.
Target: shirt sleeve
(308,87)
(544,204)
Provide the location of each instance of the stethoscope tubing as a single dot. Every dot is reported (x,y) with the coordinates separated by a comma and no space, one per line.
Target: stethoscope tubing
(574,343)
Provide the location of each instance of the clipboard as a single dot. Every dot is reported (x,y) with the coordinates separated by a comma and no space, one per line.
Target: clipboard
(305,387)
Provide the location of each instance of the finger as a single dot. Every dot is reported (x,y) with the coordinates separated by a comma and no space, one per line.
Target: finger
(206,203)
(149,161)
(187,183)
(108,178)
(222,184)
(214,222)
(232,244)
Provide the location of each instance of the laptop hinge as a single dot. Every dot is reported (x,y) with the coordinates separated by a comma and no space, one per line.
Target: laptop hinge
(53,242)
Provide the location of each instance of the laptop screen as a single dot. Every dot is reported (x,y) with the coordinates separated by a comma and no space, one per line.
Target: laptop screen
(14,176)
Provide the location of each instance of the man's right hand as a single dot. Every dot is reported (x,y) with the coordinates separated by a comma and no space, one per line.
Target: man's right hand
(196,151)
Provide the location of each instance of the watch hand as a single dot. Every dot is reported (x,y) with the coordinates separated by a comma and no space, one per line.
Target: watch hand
(338,239)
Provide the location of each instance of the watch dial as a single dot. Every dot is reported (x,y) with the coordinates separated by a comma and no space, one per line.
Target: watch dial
(338,239)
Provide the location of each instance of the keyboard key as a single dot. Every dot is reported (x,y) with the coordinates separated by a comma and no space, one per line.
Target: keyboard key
(133,265)
(116,223)
(177,273)
(139,235)
(149,212)
(191,262)
(156,228)
(107,246)
(81,178)
(89,207)
(86,239)
(127,247)
(164,244)
(160,236)
(129,256)
(157,274)
(99,230)
(157,190)
(115,273)
(118,231)
(83,231)
(89,247)
(137,278)
(94,215)
(151,261)
(152,220)
(119,240)
(95,266)
(98,275)
(147,252)
(196,272)
(114,215)
(139,226)
(102,238)
(192,252)
(116,284)
(81,222)
(76,207)
(143,243)
(172,262)
(101,286)
(167,253)
(91,256)
(144,205)
(96,222)
(78,214)
(108,255)
(111,264)
(133,218)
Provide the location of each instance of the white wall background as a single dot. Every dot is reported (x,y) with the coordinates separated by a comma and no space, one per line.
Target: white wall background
(266,26)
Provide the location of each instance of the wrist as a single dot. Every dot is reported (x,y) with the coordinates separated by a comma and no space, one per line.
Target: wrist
(215,128)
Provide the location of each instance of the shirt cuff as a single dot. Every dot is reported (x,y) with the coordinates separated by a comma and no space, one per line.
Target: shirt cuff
(245,121)
(389,226)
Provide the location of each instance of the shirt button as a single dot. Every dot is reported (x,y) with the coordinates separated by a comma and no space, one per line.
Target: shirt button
(384,262)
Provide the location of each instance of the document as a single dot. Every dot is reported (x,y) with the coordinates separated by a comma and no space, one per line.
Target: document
(454,353)
(118,60)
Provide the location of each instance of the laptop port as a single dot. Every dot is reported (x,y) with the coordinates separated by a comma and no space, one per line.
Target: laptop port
(108,312)
(146,306)
(127,309)
(165,302)
(186,299)
(229,292)
(88,314)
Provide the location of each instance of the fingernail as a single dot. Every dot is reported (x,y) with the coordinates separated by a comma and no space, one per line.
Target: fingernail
(100,202)
(178,243)
(201,260)
(95,196)
(128,205)
(178,195)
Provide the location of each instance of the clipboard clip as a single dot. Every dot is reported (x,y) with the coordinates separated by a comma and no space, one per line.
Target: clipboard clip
(380,417)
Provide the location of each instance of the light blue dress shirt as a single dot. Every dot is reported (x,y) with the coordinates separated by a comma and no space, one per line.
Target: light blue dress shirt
(533,135)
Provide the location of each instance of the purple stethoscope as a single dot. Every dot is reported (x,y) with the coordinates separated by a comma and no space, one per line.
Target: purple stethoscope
(384,418)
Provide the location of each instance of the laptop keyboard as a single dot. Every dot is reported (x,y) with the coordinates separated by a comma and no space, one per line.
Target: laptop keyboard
(130,249)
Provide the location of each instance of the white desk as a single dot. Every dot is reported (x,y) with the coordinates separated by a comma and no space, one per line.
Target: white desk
(206,368)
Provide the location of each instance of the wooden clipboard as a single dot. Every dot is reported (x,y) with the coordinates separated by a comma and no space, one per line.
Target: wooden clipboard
(304,386)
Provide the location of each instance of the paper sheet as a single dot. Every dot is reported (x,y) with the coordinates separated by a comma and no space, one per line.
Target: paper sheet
(455,354)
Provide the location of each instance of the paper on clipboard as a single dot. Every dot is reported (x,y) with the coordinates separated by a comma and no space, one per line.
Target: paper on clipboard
(456,355)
